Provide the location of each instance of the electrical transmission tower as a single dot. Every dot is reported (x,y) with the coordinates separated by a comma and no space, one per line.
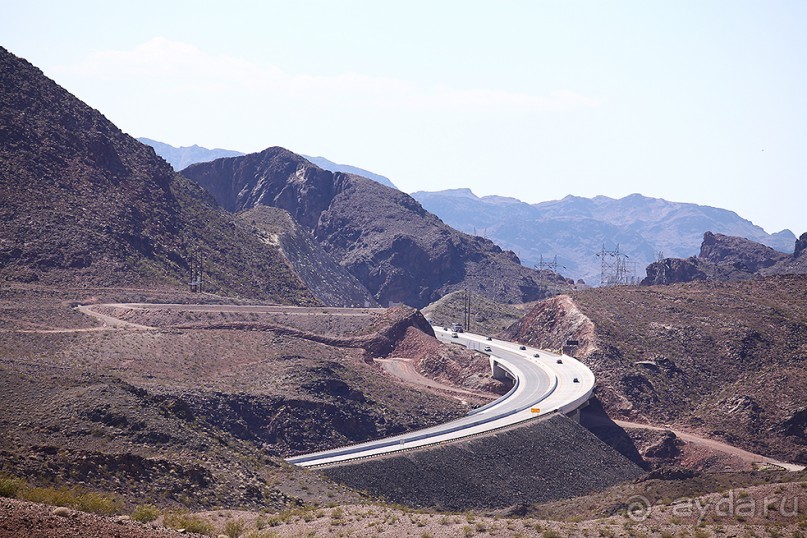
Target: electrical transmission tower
(547,269)
(615,268)
(552,266)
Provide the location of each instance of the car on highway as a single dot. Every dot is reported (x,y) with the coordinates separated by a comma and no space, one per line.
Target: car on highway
(488,338)
(487,349)
(454,335)
(559,361)
(536,355)
(523,348)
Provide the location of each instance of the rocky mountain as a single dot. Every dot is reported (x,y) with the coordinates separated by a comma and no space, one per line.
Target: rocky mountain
(725,359)
(327,280)
(84,203)
(325,164)
(383,237)
(575,229)
(184,156)
(724,258)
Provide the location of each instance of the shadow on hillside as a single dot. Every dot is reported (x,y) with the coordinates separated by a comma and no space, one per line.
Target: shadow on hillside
(595,420)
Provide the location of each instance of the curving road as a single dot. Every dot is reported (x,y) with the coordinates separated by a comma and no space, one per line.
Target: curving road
(542,385)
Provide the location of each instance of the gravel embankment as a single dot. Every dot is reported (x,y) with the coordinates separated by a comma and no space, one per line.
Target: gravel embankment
(544,460)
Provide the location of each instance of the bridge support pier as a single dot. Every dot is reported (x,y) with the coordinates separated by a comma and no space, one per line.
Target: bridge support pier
(498,372)
(575,415)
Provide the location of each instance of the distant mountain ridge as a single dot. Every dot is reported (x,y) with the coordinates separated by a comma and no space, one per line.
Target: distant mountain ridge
(575,229)
(184,156)
(331,166)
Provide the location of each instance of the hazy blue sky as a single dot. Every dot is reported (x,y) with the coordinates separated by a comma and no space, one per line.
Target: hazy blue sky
(692,101)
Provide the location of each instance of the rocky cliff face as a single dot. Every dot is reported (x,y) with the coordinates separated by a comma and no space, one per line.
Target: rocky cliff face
(801,245)
(793,265)
(84,202)
(383,237)
(740,253)
(721,258)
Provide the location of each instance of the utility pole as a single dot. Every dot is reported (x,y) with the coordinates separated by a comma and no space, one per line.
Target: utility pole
(466,306)
(196,272)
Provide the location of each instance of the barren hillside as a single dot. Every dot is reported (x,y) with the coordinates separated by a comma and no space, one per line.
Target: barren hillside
(85,204)
(725,359)
(198,409)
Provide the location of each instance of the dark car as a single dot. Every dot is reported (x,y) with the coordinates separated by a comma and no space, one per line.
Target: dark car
(559,361)
(522,348)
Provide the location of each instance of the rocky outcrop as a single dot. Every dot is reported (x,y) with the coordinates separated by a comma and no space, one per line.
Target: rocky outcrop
(721,258)
(554,324)
(383,237)
(739,253)
(801,245)
(794,265)
(671,270)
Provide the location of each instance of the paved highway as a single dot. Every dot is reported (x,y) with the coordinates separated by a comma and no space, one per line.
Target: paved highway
(542,385)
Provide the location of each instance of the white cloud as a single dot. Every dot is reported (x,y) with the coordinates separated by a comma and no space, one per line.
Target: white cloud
(178,68)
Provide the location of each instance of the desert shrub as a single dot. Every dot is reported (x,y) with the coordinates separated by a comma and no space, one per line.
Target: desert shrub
(10,486)
(183,520)
(146,513)
(234,528)
(96,503)
(51,496)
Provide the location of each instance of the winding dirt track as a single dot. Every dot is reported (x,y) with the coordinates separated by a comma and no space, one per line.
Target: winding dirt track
(404,370)
(714,445)
(110,321)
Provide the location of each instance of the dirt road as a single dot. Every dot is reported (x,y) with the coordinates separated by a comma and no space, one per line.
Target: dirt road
(714,445)
(405,370)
